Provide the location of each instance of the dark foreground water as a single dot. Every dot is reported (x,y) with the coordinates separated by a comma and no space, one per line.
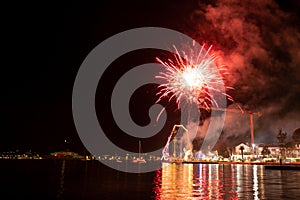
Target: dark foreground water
(70,179)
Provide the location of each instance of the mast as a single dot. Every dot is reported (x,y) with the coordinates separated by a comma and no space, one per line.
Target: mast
(140,147)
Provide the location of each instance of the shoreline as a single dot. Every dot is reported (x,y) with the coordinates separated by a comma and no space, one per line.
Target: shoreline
(237,163)
(185,162)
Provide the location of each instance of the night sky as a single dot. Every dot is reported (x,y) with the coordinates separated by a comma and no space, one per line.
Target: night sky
(44,45)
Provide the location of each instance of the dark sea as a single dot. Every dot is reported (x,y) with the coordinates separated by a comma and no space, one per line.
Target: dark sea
(75,179)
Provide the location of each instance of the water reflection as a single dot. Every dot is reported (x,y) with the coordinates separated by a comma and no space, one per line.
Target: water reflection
(62,180)
(213,181)
(194,182)
(255,183)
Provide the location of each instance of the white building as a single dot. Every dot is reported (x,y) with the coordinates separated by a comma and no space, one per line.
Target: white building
(247,149)
(237,154)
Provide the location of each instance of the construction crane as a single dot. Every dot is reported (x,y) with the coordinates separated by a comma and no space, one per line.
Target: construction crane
(176,127)
(250,113)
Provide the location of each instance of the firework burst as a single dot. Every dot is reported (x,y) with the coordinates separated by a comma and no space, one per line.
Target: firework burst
(192,77)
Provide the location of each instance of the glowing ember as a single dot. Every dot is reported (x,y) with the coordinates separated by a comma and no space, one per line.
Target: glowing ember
(191,78)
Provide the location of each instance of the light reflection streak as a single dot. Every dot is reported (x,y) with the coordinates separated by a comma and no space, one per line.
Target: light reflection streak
(247,181)
(228,181)
(262,189)
(187,181)
(233,175)
(238,180)
(209,181)
(62,180)
(255,183)
(218,185)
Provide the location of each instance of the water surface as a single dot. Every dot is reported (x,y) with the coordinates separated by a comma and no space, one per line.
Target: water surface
(71,179)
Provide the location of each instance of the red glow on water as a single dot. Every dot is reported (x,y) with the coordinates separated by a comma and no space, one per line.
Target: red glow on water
(175,181)
(157,185)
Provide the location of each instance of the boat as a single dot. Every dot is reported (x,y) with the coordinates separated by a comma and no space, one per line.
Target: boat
(139,159)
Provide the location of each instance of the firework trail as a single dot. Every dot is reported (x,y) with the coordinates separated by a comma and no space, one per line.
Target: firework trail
(191,78)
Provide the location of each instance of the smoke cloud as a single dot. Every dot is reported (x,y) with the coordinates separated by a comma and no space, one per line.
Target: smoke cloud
(259,44)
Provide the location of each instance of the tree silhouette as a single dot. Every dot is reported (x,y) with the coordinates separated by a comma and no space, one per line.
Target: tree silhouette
(281,136)
(296,136)
(222,149)
(242,152)
(265,152)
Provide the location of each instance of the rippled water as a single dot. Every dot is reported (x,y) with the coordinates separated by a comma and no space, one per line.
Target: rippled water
(213,181)
(67,179)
